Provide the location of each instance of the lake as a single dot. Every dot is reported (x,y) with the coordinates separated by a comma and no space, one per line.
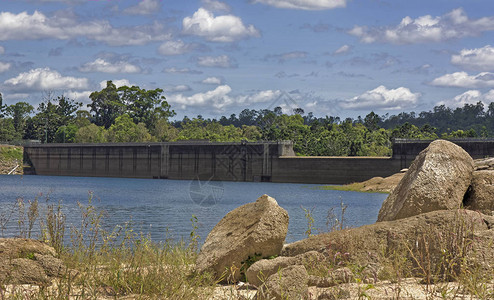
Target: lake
(163,208)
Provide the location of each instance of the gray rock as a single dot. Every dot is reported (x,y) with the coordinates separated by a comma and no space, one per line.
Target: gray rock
(258,273)
(480,195)
(437,179)
(289,283)
(254,229)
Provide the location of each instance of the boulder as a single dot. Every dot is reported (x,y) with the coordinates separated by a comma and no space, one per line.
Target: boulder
(26,261)
(437,179)
(262,269)
(480,195)
(371,245)
(255,229)
(288,283)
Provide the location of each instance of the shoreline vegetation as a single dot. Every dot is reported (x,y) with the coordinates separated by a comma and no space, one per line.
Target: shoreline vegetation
(374,185)
(89,262)
(10,157)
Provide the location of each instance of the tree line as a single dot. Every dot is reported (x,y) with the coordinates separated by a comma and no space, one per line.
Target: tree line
(132,114)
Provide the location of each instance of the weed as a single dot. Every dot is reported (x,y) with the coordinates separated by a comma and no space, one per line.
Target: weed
(310,220)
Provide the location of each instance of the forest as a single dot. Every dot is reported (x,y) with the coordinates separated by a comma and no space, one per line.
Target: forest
(132,114)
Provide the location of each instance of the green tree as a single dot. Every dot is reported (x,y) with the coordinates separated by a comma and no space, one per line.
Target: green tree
(19,113)
(7,131)
(66,134)
(145,106)
(106,105)
(91,134)
(125,130)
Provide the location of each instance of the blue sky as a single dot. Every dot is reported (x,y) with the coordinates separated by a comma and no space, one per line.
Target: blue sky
(331,57)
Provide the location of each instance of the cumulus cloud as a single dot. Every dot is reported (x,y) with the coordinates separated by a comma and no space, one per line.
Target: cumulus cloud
(304,4)
(469,97)
(4,66)
(220,98)
(216,5)
(144,7)
(175,70)
(213,80)
(178,88)
(287,56)
(78,96)
(383,98)
(42,79)
(481,59)
(464,80)
(175,48)
(227,28)
(425,29)
(342,50)
(222,61)
(117,82)
(104,66)
(66,25)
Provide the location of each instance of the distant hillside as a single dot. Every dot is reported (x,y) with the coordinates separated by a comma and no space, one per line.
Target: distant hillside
(10,156)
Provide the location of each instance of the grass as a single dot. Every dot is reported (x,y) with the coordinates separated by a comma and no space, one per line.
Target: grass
(352,187)
(11,153)
(122,262)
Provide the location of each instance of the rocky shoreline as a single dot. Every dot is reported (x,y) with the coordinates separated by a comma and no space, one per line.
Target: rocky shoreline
(433,240)
(8,160)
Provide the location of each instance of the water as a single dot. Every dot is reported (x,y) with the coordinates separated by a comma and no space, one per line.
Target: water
(163,208)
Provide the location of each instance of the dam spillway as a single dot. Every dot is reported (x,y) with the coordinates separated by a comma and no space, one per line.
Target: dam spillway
(251,162)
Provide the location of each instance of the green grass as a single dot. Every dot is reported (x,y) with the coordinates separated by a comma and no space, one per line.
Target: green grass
(352,187)
(11,153)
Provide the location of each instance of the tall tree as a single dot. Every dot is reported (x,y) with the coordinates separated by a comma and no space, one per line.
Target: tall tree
(106,105)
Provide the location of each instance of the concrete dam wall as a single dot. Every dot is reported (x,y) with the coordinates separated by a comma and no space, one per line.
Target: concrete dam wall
(254,162)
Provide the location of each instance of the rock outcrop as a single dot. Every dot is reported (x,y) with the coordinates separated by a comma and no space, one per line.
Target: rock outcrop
(262,269)
(437,179)
(288,283)
(480,195)
(368,245)
(26,261)
(253,230)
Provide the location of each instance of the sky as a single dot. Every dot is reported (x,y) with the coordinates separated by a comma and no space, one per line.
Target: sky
(330,57)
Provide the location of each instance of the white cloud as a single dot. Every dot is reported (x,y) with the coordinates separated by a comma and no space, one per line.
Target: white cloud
(144,7)
(481,59)
(463,80)
(425,29)
(304,4)
(213,80)
(101,65)
(469,97)
(4,66)
(287,56)
(220,98)
(343,50)
(178,88)
(175,70)
(383,98)
(222,61)
(227,28)
(117,82)
(65,25)
(216,5)
(43,79)
(175,48)
(78,96)
(2,50)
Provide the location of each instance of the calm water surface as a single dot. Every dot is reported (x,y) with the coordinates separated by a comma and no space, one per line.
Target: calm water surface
(156,207)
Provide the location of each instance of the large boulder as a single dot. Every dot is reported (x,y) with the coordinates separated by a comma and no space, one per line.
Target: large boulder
(442,232)
(480,195)
(262,269)
(26,261)
(288,283)
(253,230)
(437,179)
